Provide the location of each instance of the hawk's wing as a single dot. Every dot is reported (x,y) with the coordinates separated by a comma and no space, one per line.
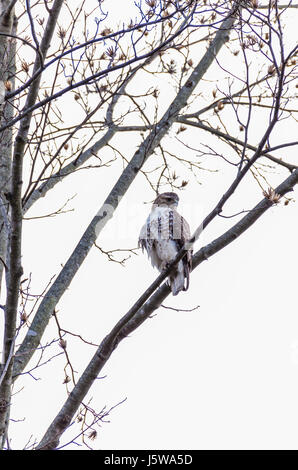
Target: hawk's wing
(181,235)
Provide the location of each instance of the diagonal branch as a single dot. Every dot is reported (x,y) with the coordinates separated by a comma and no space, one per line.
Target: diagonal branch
(102,73)
(230,138)
(111,203)
(139,313)
(42,189)
(103,39)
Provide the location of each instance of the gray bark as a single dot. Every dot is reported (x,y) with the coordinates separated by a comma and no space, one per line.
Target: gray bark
(14,197)
(7,71)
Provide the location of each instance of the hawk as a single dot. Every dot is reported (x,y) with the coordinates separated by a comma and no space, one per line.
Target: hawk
(163,235)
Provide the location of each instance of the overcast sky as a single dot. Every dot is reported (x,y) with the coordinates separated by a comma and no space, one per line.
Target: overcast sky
(223,376)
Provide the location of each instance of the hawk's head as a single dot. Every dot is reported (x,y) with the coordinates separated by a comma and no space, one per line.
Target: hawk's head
(167,199)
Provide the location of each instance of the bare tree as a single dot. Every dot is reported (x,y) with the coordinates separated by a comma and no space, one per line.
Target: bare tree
(231,65)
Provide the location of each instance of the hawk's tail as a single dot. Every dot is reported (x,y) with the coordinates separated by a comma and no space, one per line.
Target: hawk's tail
(177,279)
(180,279)
(187,265)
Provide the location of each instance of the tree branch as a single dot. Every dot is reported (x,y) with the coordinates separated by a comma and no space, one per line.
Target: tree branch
(111,203)
(139,313)
(29,110)
(230,138)
(51,182)
(15,242)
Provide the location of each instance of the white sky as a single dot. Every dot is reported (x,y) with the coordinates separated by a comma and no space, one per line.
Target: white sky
(224,376)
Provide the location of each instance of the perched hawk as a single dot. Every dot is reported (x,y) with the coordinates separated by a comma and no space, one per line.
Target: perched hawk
(163,235)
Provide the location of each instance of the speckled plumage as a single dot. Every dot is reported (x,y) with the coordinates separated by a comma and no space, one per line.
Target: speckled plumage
(163,235)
